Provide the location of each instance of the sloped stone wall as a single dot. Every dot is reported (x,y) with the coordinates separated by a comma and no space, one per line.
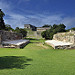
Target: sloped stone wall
(6,35)
(64,40)
(66,37)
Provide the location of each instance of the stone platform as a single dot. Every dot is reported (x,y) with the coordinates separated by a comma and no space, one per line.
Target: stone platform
(59,44)
(15,43)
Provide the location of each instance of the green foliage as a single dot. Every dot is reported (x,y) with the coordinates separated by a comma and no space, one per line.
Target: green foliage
(2,24)
(46,25)
(1,14)
(54,26)
(43,34)
(22,31)
(48,34)
(8,28)
(73,28)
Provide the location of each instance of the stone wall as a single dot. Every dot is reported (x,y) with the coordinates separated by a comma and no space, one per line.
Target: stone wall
(66,37)
(29,26)
(6,35)
(43,28)
(34,34)
(64,40)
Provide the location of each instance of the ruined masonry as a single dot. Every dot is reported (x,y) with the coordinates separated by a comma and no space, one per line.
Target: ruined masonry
(64,40)
(11,40)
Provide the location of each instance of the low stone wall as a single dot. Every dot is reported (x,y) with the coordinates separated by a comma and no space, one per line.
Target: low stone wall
(65,37)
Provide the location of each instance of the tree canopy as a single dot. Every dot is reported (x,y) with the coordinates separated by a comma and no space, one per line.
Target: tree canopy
(21,30)
(73,28)
(2,24)
(46,25)
(8,27)
(48,34)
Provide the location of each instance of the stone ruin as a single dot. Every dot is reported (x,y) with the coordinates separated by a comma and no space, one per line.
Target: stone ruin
(64,40)
(65,37)
(11,40)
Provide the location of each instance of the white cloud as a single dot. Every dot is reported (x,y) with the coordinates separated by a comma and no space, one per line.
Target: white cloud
(16,19)
(4,6)
(69,22)
(37,20)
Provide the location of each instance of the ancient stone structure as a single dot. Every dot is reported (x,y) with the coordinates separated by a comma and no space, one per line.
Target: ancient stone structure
(64,40)
(43,28)
(29,26)
(6,35)
(35,32)
(11,40)
(65,37)
(15,43)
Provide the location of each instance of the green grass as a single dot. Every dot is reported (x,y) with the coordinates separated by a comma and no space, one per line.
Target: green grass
(37,60)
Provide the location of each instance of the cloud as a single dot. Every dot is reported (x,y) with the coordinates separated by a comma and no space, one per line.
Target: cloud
(37,19)
(15,20)
(4,6)
(30,17)
(69,22)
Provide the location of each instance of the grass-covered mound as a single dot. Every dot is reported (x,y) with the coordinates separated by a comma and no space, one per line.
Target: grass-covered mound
(37,59)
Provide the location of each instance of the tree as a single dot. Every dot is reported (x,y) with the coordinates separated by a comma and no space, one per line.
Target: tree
(48,34)
(17,29)
(43,34)
(2,24)
(62,26)
(22,31)
(46,25)
(55,26)
(1,14)
(8,27)
(73,28)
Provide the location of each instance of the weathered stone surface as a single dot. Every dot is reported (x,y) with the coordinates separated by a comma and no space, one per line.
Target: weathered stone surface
(66,37)
(15,43)
(64,40)
(58,44)
(6,35)
(11,40)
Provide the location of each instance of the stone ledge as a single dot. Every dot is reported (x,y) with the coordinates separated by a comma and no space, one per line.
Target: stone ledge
(59,44)
(15,43)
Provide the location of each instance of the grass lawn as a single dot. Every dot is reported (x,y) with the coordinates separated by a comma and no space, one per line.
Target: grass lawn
(37,59)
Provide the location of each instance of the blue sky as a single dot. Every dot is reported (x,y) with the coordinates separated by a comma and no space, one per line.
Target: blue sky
(38,12)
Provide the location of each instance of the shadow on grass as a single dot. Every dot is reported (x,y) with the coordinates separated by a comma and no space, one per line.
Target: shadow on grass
(9,62)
